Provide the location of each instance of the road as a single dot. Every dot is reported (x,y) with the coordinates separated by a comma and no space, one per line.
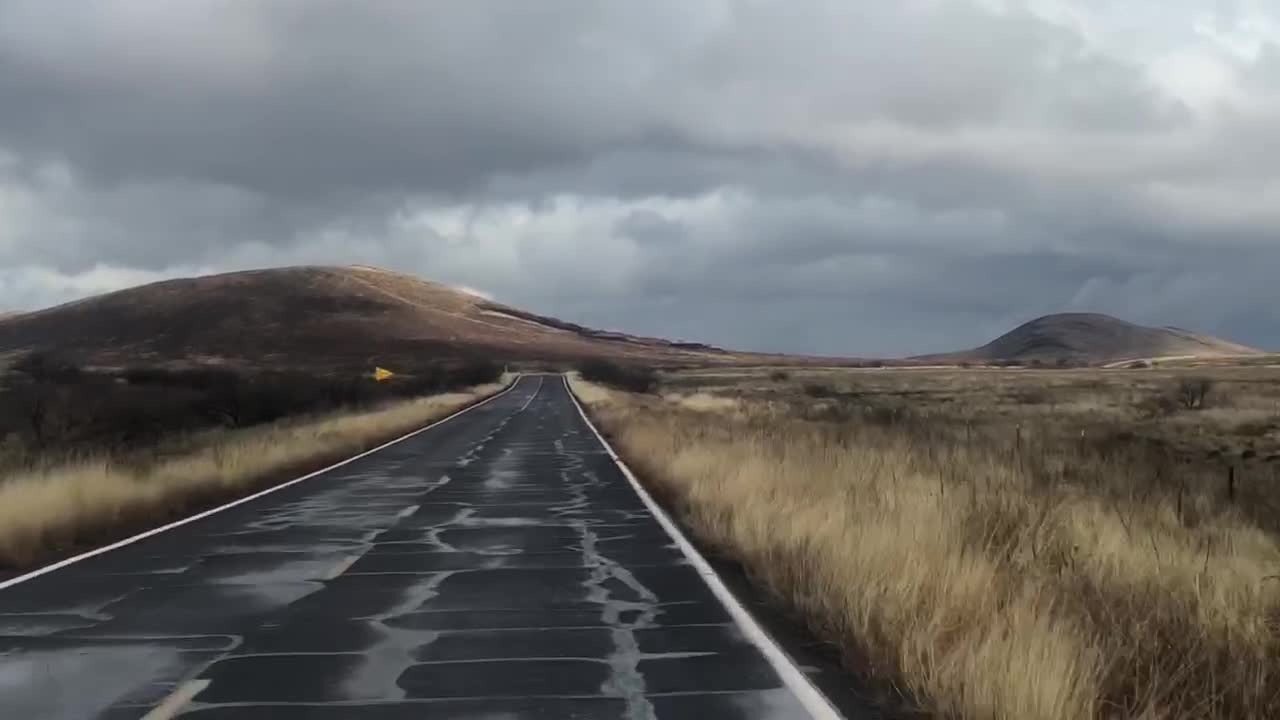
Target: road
(497,565)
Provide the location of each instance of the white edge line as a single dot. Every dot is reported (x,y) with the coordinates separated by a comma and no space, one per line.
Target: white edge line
(250,498)
(818,706)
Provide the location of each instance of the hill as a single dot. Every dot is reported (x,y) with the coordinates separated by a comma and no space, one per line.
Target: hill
(318,317)
(1093,338)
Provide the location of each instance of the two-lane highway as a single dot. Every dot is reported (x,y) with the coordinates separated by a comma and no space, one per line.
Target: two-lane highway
(497,565)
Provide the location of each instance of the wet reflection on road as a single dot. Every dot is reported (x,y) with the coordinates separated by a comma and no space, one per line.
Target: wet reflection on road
(498,565)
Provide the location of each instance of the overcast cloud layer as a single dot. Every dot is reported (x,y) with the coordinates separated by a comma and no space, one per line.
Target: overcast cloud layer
(827,176)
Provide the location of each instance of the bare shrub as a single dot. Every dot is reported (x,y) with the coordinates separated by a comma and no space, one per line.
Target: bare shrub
(1193,392)
(819,390)
(632,378)
(1255,428)
(1158,405)
(1030,396)
(46,366)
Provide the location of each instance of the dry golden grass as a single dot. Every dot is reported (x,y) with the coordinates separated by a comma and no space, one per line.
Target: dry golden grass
(982,579)
(1108,412)
(704,402)
(49,508)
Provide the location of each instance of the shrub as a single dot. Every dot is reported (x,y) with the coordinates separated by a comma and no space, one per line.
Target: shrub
(1254,428)
(44,366)
(818,390)
(779,376)
(195,378)
(1156,406)
(475,372)
(1192,392)
(37,409)
(51,407)
(1030,396)
(631,378)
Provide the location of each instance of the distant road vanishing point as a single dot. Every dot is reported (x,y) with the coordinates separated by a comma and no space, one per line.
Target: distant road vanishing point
(499,564)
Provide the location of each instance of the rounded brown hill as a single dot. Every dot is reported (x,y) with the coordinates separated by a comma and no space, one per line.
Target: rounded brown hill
(1095,338)
(322,316)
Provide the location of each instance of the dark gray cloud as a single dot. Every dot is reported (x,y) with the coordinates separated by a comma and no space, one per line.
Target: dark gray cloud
(821,176)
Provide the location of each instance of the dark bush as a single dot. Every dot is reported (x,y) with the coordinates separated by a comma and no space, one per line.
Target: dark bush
(886,415)
(1156,406)
(1029,396)
(47,367)
(134,417)
(836,412)
(36,410)
(779,376)
(50,406)
(1254,428)
(1192,392)
(819,390)
(632,378)
(476,372)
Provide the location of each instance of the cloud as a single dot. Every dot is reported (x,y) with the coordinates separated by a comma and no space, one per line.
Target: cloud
(818,176)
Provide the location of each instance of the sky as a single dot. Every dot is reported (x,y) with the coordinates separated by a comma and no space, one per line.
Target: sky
(848,177)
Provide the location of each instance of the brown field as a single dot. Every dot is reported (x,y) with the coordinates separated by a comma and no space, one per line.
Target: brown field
(47,510)
(994,543)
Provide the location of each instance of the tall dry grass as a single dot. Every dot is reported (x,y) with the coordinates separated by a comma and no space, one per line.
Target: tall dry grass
(49,508)
(976,586)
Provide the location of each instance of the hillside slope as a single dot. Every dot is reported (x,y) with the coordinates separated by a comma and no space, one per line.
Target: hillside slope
(321,316)
(1093,338)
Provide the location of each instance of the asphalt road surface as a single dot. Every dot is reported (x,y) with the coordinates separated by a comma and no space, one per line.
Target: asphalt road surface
(498,565)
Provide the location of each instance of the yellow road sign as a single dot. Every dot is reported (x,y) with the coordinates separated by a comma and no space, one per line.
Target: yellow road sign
(380,374)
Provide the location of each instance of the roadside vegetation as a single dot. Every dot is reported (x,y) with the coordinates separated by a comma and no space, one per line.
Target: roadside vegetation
(632,378)
(85,454)
(52,409)
(1037,544)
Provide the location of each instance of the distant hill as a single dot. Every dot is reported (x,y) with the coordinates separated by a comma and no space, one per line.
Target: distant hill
(1092,338)
(319,316)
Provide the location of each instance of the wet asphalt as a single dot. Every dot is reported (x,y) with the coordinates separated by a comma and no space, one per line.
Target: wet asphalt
(498,565)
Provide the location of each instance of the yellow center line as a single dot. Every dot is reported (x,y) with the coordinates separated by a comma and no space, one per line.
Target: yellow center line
(343,565)
(177,700)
